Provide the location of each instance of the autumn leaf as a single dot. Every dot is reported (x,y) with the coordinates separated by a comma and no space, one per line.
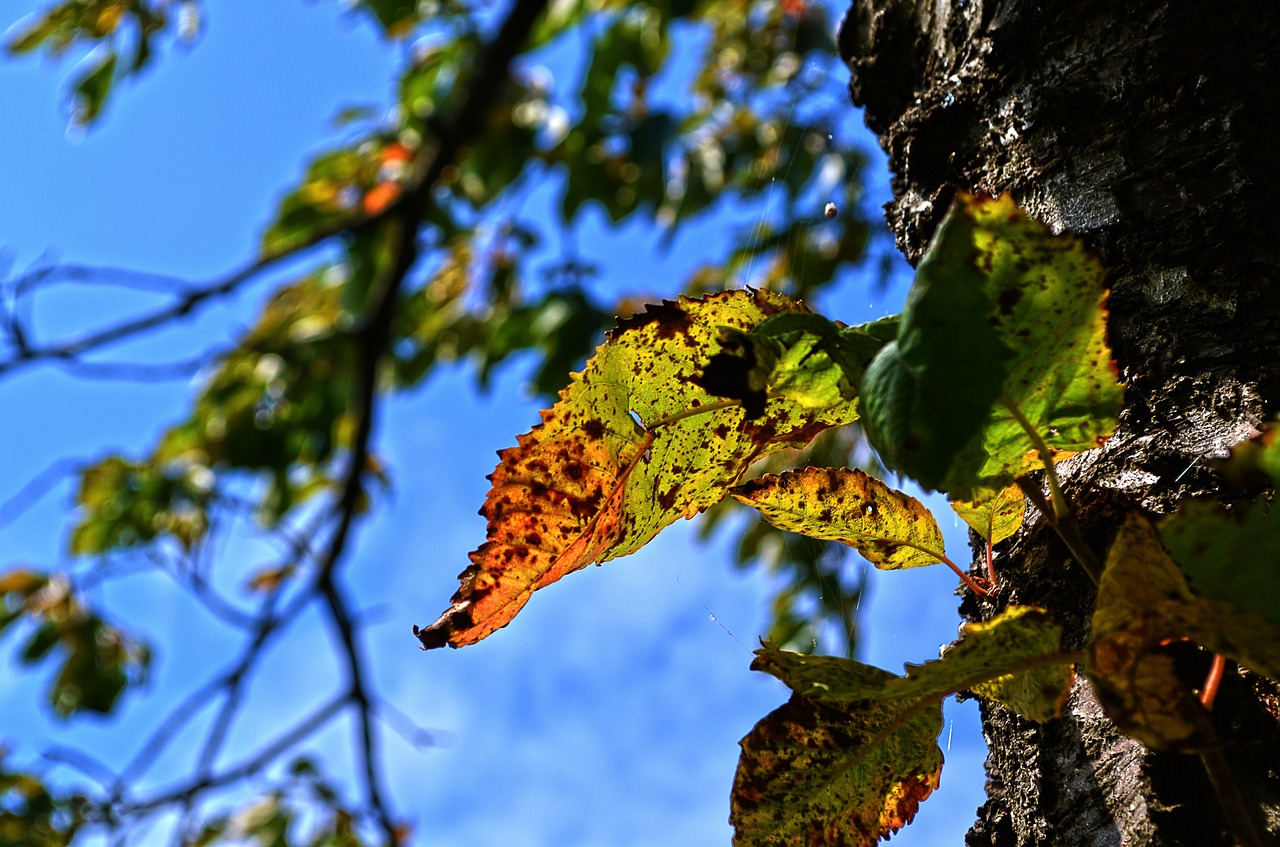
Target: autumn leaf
(1004,319)
(634,443)
(1144,603)
(849,758)
(890,529)
(821,772)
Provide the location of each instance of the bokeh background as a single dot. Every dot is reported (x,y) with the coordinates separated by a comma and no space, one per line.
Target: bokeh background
(609,712)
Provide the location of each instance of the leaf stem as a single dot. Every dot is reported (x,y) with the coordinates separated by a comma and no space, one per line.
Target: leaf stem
(942,557)
(1066,531)
(1209,691)
(1058,514)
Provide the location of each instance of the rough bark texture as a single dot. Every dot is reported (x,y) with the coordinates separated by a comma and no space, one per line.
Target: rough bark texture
(1151,130)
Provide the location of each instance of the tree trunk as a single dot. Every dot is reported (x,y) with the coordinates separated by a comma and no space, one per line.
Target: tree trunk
(1148,129)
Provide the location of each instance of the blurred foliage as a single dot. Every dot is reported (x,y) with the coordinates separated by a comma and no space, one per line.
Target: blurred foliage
(276,819)
(669,114)
(31,815)
(98,660)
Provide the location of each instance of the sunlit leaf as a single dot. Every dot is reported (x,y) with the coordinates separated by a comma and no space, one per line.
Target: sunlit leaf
(33,814)
(124,504)
(995,519)
(1143,604)
(889,528)
(1003,314)
(849,758)
(633,444)
(801,357)
(832,771)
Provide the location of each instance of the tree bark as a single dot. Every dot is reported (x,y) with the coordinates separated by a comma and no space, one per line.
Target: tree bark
(1149,129)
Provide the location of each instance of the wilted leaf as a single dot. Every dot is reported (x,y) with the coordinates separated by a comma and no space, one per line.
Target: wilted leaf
(889,528)
(996,519)
(1002,310)
(849,758)
(633,444)
(1143,604)
(822,772)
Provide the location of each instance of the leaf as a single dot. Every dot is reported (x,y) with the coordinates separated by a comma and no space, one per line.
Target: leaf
(996,519)
(633,444)
(853,753)
(1231,554)
(397,17)
(1002,313)
(816,772)
(125,504)
(1143,604)
(92,88)
(1021,641)
(890,529)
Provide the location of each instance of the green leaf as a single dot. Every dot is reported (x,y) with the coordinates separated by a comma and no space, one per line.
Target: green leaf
(992,656)
(633,444)
(125,504)
(996,519)
(397,17)
(799,356)
(927,394)
(92,87)
(1002,313)
(1144,603)
(1230,554)
(890,529)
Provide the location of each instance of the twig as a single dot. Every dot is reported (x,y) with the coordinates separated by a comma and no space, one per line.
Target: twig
(300,732)
(1234,809)
(38,486)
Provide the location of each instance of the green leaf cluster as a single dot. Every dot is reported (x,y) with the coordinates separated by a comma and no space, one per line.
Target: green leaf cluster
(31,813)
(117,29)
(98,660)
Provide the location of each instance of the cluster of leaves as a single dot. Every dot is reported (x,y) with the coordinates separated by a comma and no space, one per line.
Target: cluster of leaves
(117,28)
(716,382)
(31,814)
(98,660)
(275,426)
(275,819)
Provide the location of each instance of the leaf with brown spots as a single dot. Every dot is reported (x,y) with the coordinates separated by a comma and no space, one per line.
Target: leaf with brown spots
(841,773)
(849,758)
(1003,315)
(634,443)
(890,529)
(1144,604)
(996,519)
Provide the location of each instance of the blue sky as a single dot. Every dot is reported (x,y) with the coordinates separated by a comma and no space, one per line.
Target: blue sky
(609,712)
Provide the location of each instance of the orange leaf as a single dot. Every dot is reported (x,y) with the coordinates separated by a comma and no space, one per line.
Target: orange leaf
(634,443)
